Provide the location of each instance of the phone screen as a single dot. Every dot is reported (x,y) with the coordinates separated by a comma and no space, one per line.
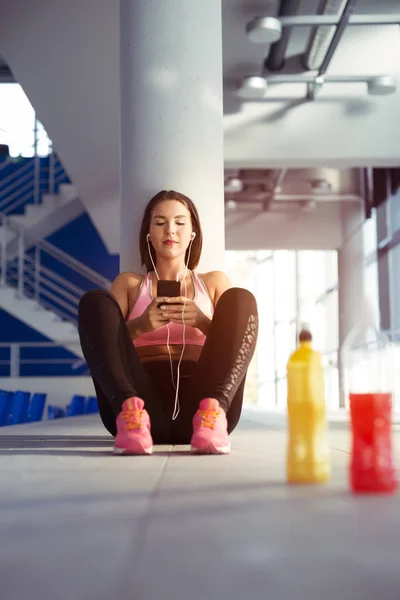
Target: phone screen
(169,289)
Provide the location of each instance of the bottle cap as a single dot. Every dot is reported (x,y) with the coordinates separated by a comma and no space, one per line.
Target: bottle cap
(305,334)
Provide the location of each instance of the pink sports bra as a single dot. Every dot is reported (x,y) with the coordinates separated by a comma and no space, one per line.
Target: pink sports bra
(193,336)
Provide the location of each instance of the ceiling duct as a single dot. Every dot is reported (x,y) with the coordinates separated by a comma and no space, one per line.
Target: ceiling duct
(321,37)
(275,60)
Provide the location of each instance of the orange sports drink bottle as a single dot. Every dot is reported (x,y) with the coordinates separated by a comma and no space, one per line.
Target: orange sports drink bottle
(308,456)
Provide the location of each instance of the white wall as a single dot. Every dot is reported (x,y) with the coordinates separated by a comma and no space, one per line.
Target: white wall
(59,390)
(343,127)
(296,229)
(66,57)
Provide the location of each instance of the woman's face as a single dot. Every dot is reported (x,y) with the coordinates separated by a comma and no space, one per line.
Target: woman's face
(170,228)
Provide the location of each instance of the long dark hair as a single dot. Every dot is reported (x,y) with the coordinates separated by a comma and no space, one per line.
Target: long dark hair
(197,243)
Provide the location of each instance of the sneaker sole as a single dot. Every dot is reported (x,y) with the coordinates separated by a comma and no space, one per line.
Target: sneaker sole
(133,451)
(211,450)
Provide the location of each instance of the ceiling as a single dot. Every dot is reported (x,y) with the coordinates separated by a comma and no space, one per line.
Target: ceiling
(243,58)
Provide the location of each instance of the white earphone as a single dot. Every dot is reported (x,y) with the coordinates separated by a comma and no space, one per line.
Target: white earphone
(176,385)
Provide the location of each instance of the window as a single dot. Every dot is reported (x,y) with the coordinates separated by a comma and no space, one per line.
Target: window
(17,122)
(283,281)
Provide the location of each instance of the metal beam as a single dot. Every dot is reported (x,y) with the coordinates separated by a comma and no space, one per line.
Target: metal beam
(341,26)
(344,18)
(307,78)
(355,20)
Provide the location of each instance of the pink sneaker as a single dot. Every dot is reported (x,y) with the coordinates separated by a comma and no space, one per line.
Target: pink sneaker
(210,435)
(133,429)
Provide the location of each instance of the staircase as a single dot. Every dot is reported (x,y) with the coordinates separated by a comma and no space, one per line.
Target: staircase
(40,284)
(36,194)
(41,220)
(44,320)
(33,290)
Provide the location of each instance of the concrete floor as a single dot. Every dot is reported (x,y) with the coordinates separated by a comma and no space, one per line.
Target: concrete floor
(79,523)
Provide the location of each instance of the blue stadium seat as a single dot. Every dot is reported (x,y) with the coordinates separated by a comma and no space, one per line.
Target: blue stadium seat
(36,407)
(5,406)
(55,412)
(19,408)
(91,405)
(77,406)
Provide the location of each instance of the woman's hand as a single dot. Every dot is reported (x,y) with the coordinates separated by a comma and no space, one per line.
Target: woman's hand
(181,309)
(150,320)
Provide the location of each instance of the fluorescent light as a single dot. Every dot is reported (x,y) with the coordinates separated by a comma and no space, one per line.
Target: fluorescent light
(264,30)
(252,87)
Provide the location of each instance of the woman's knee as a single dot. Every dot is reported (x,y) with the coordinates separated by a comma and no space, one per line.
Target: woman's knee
(241,297)
(92,298)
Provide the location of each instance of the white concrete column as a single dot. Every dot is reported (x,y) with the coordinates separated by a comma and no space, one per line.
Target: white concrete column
(171,115)
(350,278)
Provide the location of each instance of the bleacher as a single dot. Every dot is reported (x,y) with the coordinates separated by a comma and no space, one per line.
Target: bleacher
(21,407)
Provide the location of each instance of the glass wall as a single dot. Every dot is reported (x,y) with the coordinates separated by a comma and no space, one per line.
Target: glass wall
(394,269)
(370,240)
(394,219)
(291,287)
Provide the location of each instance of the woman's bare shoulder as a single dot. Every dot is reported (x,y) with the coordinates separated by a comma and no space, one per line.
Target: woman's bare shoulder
(217,283)
(128,278)
(214,276)
(125,288)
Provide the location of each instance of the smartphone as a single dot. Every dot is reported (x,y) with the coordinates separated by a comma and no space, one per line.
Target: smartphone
(169,289)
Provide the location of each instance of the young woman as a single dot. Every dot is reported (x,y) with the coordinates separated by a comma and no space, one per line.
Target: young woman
(140,347)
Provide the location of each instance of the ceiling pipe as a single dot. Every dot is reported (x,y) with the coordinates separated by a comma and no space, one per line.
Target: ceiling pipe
(341,26)
(278,199)
(275,60)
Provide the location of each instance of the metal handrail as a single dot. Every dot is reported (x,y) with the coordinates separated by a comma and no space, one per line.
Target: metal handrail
(74,264)
(15,361)
(24,167)
(10,196)
(26,181)
(46,281)
(13,277)
(59,313)
(58,300)
(65,316)
(42,361)
(62,257)
(11,161)
(5,163)
(18,202)
(58,344)
(58,278)
(34,280)
(24,270)
(59,290)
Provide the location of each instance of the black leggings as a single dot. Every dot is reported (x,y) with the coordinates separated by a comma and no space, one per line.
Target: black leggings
(118,372)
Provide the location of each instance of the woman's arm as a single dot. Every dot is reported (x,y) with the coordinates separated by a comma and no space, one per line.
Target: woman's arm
(217,283)
(124,289)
